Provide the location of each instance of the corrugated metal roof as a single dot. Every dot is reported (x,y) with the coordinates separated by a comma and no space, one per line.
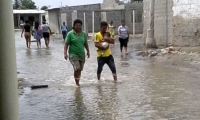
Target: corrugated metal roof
(28,11)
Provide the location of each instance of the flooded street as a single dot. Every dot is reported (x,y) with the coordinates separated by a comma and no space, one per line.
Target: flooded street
(150,88)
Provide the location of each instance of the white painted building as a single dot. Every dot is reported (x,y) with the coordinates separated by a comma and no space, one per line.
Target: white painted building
(54,20)
(30,15)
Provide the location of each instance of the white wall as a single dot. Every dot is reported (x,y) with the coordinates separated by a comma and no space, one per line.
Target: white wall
(64,18)
(186,19)
(109,4)
(54,20)
(47,16)
(187,8)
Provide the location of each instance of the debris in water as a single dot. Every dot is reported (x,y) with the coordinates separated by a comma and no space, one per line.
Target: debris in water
(39,86)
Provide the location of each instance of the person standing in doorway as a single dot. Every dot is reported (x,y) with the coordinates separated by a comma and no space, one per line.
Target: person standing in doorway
(76,41)
(111,29)
(106,57)
(123,37)
(46,33)
(28,31)
(21,24)
(38,34)
(64,30)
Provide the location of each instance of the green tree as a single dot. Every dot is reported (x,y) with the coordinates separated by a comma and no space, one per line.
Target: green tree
(28,4)
(44,8)
(24,4)
(16,4)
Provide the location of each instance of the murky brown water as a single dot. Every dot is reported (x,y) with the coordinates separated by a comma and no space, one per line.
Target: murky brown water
(150,89)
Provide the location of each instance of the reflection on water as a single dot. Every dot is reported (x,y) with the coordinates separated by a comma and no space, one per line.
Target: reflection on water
(149,90)
(107,102)
(28,52)
(79,105)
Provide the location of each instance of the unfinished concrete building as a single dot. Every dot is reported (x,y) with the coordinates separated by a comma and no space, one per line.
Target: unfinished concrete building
(176,22)
(107,11)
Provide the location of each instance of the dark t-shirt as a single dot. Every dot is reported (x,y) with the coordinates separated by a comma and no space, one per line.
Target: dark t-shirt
(27,28)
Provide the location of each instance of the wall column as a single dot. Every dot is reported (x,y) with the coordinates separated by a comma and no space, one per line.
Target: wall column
(8,74)
(150,41)
(133,23)
(92,23)
(84,22)
(74,16)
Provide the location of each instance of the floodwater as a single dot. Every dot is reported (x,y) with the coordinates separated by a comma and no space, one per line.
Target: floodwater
(149,89)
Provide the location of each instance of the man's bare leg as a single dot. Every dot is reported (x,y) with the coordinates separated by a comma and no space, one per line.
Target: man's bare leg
(46,42)
(39,43)
(126,51)
(27,43)
(115,77)
(98,76)
(77,75)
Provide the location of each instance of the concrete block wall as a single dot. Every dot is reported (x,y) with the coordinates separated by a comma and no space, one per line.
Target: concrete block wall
(176,22)
(163,21)
(146,9)
(186,15)
(138,28)
(115,15)
(138,7)
(63,18)
(111,4)
(97,20)
(126,14)
(80,10)
(170,22)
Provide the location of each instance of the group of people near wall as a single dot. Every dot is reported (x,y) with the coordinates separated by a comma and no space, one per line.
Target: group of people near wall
(38,31)
(76,43)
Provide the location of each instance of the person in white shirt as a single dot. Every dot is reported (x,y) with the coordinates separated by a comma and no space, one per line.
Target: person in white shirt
(46,33)
(123,37)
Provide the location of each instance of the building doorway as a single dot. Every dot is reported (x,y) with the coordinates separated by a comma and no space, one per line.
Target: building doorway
(31,20)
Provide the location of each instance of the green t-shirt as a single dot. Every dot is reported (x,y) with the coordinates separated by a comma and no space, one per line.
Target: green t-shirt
(76,44)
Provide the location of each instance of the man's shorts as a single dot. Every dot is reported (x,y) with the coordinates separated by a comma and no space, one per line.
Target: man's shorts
(46,35)
(77,63)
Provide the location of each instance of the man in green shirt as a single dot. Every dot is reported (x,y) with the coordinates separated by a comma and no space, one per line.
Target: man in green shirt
(76,41)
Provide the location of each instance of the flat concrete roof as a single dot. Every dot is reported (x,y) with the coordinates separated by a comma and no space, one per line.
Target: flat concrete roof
(28,11)
(49,9)
(56,8)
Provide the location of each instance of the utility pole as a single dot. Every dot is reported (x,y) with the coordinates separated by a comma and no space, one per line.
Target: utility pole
(150,41)
(8,74)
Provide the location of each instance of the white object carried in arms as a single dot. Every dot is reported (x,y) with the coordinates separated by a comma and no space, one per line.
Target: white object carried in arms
(104,44)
